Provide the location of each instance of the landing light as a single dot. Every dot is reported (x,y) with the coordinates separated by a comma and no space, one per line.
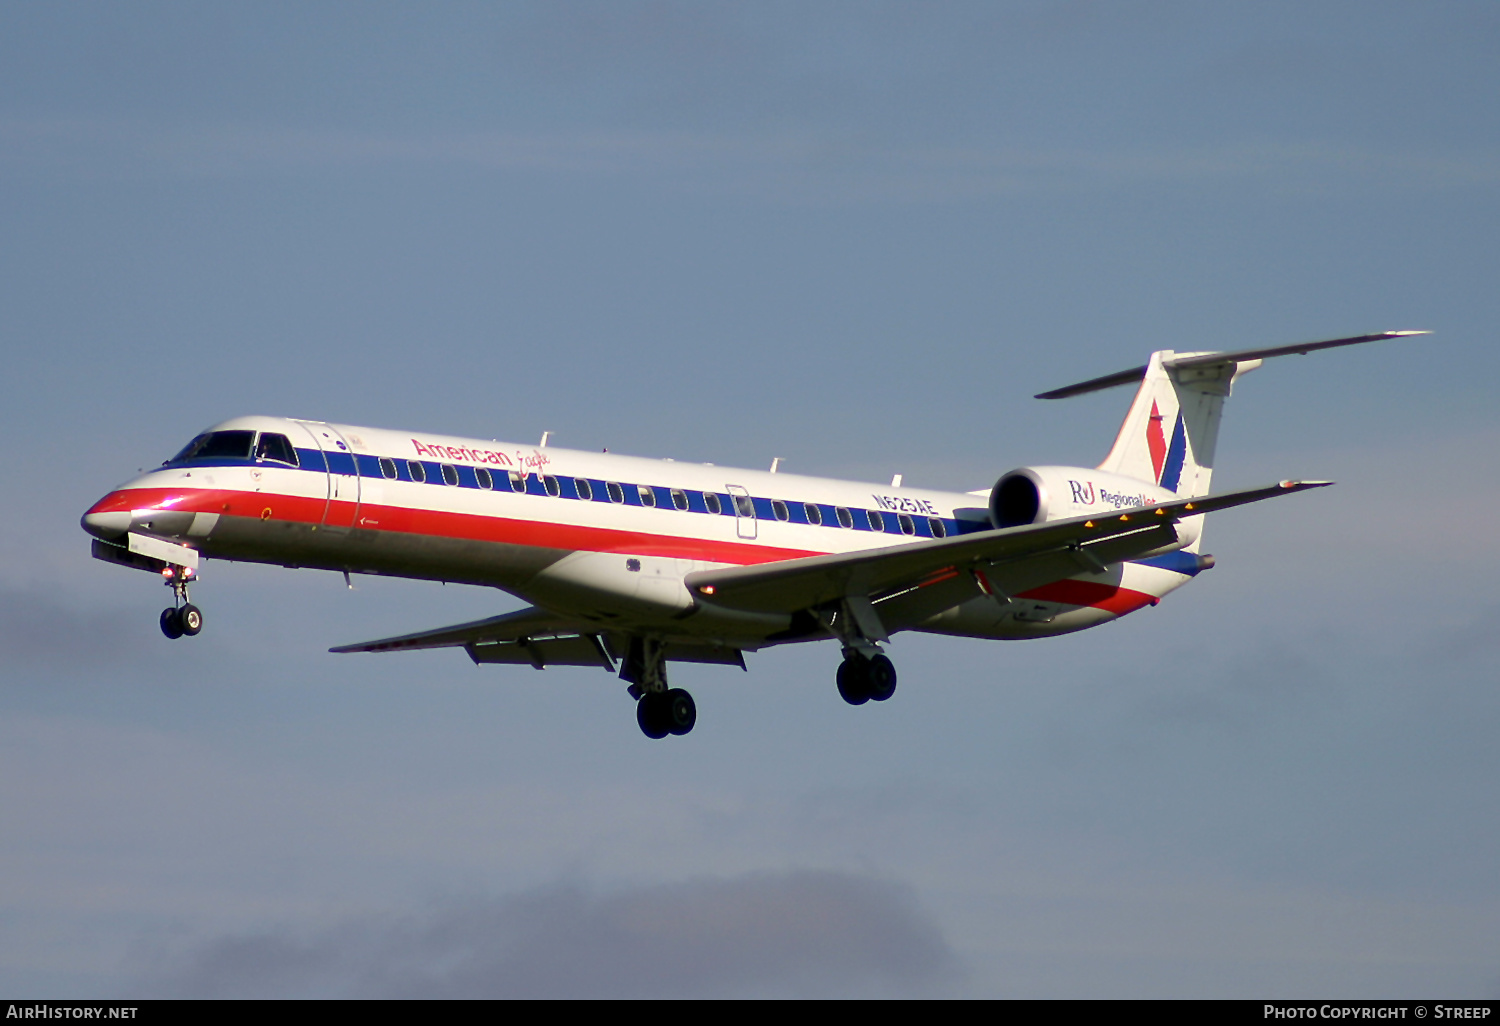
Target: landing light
(707,589)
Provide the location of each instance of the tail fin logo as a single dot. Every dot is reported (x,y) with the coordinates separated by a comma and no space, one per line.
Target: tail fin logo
(1156,442)
(1166,460)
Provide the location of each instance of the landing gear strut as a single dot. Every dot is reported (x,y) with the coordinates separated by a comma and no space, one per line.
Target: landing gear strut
(659,710)
(181,617)
(862,677)
(865,673)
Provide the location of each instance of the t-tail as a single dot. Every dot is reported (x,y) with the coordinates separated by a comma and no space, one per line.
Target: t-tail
(1170,433)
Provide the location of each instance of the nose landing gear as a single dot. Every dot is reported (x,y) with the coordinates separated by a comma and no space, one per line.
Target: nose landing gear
(181,617)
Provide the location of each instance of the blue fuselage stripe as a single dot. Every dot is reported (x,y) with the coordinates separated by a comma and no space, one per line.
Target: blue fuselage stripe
(369,466)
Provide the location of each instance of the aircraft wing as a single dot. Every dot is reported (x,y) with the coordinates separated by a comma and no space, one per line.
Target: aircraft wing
(532,636)
(509,627)
(952,569)
(540,638)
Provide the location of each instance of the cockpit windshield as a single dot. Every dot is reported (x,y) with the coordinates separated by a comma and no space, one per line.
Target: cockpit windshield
(233,445)
(238,445)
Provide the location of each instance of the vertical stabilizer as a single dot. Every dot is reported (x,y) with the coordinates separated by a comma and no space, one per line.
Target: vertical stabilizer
(1172,428)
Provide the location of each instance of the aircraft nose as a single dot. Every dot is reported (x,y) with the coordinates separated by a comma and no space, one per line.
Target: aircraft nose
(110,524)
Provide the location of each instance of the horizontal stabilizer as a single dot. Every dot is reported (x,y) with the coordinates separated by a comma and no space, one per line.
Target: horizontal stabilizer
(1134,374)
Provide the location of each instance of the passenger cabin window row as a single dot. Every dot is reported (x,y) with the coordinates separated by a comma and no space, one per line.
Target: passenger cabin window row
(650,497)
(232,447)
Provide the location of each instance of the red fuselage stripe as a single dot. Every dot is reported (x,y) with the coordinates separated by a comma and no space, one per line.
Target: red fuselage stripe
(441,524)
(542,534)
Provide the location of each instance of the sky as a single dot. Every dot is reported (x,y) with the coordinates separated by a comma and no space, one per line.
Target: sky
(856,236)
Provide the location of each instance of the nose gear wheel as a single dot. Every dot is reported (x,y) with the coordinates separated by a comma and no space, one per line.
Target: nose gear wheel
(182,618)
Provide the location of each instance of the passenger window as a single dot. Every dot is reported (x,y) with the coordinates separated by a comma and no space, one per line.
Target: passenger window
(616,493)
(648,497)
(387,468)
(275,447)
(450,474)
(876,521)
(779,508)
(517,481)
(846,519)
(814,514)
(744,506)
(939,529)
(418,472)
(483,477)
(712,504)
(907,527)
(550,483)
(679,498)
(583,488)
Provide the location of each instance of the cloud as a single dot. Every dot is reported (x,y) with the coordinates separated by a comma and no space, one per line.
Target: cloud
(801,933)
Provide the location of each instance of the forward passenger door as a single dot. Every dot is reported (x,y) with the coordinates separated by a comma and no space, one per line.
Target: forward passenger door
(744,511)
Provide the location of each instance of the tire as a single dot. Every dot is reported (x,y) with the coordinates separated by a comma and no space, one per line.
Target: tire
(648,713)
(171,626)
(881,678)
(191,619)
(681,712)
(853,680)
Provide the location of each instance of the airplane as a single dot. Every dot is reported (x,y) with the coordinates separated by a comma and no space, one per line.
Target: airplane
(631,563)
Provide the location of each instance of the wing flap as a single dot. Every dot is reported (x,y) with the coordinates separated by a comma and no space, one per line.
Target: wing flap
(575,650)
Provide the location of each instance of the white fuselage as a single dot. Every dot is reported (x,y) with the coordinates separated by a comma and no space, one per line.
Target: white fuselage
(602,537)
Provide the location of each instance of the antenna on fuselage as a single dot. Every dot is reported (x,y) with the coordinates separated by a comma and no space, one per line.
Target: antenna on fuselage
(543,443)
(775,462)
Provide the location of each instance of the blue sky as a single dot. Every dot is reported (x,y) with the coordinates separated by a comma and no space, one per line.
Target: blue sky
(856,236)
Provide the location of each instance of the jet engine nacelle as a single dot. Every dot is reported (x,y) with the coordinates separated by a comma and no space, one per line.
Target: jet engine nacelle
(1034,495)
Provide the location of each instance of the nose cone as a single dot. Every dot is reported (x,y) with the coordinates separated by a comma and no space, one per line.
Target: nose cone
(106,524)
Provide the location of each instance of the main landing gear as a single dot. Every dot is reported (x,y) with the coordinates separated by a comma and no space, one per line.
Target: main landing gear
(659,710)
(863,677)
(181,617)
(865,673)
(660,713)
